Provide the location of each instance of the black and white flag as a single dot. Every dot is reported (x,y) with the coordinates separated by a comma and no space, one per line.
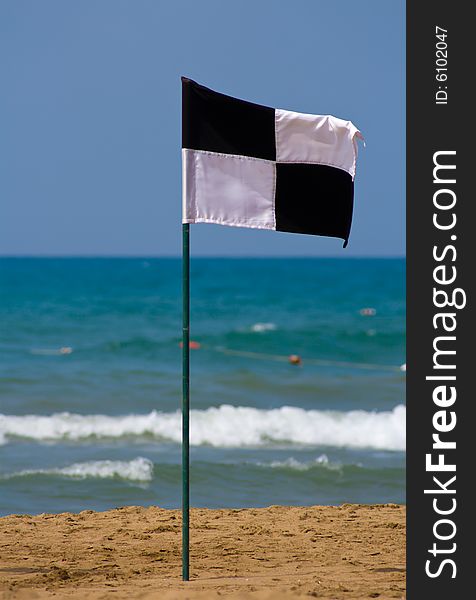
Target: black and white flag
(248,165)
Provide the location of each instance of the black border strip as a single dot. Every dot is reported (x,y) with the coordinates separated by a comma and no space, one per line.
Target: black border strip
(439,123)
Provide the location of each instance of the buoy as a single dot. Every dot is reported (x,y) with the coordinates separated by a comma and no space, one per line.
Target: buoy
(295,359)
(192,345)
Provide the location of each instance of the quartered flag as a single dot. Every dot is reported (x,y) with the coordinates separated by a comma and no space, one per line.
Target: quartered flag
(248,165)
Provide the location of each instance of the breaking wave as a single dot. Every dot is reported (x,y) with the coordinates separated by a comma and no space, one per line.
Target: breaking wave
(224,426)
(260,327)
(321,462)
(139,469)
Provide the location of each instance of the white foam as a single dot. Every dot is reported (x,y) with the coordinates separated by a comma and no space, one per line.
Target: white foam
(321,461)
(224,426)
(52,351)
(260,327)
(139,469)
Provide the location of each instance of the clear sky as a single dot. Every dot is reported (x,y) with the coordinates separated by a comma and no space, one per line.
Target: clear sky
(90,116)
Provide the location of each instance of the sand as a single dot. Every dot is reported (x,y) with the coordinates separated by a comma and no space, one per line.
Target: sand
(351,551)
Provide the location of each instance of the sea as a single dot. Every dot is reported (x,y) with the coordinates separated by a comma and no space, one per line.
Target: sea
(297,382)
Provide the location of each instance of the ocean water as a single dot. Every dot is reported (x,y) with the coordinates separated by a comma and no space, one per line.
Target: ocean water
(90,382)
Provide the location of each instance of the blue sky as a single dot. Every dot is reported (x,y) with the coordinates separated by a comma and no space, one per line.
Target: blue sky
(90,116)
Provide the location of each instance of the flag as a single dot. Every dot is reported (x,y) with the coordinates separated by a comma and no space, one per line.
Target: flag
(248,165)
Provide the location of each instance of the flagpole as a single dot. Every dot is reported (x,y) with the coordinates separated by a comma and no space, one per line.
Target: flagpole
(185,400)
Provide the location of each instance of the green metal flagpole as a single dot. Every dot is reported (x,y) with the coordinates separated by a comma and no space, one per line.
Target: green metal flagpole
(185,400)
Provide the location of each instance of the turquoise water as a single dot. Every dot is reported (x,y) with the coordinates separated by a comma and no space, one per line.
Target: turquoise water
(90,382)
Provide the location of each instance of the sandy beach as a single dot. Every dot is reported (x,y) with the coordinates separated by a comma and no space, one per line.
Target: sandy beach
(349,551)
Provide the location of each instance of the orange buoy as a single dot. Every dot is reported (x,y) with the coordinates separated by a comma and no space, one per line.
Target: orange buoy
(192,345)
(295,359)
